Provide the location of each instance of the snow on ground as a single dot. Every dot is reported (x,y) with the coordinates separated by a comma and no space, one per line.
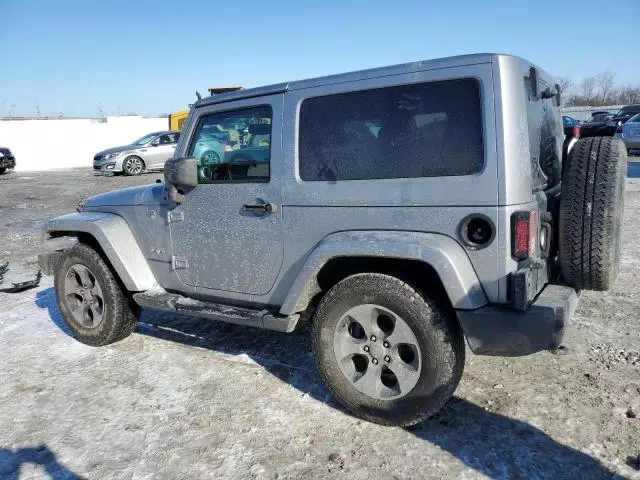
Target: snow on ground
(191,398)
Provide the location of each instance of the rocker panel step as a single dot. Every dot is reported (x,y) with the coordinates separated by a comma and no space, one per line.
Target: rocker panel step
(160,299)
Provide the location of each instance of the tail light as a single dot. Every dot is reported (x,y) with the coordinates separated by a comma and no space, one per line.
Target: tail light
(575,131)
(227,147)
(524,234)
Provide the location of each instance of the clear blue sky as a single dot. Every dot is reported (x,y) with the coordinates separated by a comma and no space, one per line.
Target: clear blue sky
(151,56)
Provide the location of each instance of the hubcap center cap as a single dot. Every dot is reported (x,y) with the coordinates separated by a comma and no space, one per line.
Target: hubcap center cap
(375,351)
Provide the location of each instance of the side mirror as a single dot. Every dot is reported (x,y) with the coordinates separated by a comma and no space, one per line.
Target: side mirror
(180,176)
(155,142)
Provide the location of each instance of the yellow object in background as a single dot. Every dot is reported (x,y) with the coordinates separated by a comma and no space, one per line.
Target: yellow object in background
(178,119)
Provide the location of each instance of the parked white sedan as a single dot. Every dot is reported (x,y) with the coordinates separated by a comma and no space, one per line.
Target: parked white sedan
(147,153)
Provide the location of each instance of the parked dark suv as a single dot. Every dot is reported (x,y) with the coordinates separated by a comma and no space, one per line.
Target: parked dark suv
(624,115)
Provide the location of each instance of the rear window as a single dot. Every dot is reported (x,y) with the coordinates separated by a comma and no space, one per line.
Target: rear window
(630,110)
(545,139)
(419,130)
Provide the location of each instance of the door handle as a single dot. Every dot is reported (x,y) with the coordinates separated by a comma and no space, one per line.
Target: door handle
(261,207)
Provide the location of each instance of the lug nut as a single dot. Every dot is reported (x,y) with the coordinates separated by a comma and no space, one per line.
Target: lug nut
(373,338)
(366,348)
(385,344)
(374,361)
(387,358)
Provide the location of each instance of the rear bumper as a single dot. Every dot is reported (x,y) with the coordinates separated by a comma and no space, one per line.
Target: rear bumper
(503,331)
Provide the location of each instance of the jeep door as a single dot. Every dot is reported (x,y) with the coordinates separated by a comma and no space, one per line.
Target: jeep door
(227,233)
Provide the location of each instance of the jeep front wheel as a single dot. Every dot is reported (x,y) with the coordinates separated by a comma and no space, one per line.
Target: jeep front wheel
(389,354)
(92,303)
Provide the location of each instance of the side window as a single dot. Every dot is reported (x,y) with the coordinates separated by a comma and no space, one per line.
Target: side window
(545,139)
(167,139)
(420,130)
(233,146)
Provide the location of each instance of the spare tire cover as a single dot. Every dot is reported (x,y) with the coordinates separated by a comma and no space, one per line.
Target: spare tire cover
(591,210)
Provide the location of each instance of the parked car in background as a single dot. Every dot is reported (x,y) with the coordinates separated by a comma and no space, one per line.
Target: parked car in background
(147,153)
(211,147)
(629,133)
(7,160)
(597,126)
(568,121)
(624,115)
(570,124)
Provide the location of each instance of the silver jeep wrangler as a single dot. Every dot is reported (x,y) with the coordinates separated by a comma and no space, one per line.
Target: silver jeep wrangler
(397,210)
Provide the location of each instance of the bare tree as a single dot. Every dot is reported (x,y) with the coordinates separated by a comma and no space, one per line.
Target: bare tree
(605,86)
(629,94)
(599,90)
(566,84)
(587,89)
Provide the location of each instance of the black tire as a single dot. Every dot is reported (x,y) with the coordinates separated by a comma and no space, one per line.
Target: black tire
(2,170)
(591,211)
(128,170)
(119,311)
(438,334)
(213,157)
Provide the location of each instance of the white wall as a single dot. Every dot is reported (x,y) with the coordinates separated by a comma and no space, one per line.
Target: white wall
(55,144)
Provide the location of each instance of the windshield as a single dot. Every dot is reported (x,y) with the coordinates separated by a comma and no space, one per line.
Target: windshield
(600,117)
(628,111)
(145,139)
(634,119)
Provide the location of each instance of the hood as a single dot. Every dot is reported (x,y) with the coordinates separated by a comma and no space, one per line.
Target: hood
(123,148)
(142,195)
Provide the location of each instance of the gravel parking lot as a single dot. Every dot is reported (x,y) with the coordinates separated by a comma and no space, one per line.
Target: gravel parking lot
(189,398)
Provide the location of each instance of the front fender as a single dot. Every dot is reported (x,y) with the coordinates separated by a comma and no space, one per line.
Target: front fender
(117,241)
(444,254)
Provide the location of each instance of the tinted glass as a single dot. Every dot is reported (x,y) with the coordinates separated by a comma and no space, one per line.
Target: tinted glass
(421,130)
(169,138)
(233,146)
(629,110)
(145,139)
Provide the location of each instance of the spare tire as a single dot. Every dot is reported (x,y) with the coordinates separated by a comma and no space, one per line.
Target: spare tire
(591,210)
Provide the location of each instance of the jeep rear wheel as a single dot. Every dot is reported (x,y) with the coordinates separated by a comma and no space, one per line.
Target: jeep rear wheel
(92,303)
(591,211)
(387,353)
